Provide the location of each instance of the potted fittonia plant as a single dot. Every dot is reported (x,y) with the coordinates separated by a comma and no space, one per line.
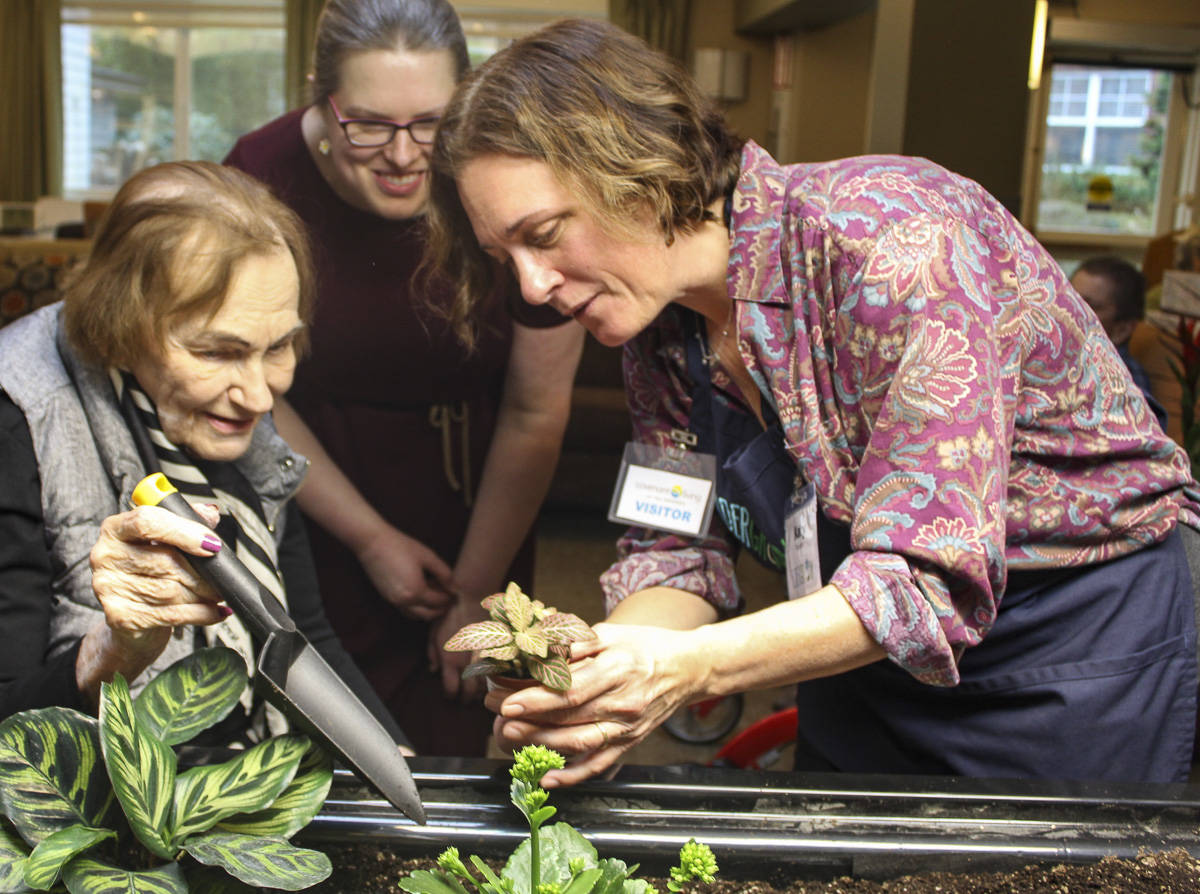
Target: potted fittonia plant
(100,805)
(522,639)
(553,860)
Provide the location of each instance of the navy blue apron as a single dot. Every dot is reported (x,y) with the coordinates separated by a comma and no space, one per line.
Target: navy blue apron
(1088,673)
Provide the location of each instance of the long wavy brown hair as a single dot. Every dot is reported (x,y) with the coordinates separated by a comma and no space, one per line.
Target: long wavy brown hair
(622,126)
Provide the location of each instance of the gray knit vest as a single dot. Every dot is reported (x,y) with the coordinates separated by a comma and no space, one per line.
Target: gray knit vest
(88,466)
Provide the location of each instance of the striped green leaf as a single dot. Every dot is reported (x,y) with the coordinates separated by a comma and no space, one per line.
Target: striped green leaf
(49,857)
(480,635)
(264,862)
(295,808)
(84,875)
(191,695)
(141,768)
(212,880)
(244,784)
(552,672)
(51,774)
(501,653)
(14,854)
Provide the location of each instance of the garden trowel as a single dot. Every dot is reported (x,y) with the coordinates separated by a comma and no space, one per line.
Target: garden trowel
(297,680)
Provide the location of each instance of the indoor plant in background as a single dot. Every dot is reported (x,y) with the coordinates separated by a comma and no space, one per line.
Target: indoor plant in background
(100,805)
(522,638)
(554,860)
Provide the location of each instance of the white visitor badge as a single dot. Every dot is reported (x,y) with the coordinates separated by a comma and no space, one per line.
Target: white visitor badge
(664,489)
(800,543)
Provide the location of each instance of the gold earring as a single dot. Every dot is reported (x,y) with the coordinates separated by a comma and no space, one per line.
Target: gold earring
(323,146)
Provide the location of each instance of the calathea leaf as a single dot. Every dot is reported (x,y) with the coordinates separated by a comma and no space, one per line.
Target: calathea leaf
(480,635)
(49,857)
(191,695)
(14,854)
(142,768)
(296,806)
(551,672)
(213,880)
(84,875)
(51,774)
(263,862)
(244,784)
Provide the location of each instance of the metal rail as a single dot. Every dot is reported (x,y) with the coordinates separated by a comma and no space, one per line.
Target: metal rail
(763,823)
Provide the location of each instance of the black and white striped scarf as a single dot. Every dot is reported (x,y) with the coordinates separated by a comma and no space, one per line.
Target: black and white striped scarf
(242,524)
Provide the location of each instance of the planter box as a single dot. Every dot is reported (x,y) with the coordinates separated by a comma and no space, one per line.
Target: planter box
(764,824)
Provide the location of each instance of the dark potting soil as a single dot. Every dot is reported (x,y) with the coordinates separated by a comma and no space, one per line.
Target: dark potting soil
(366,869)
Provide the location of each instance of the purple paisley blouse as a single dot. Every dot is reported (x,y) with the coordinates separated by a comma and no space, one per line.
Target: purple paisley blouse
(951,397)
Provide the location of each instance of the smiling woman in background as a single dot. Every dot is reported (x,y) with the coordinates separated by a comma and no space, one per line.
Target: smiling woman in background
(452,450)
(180,330)
(1003,588)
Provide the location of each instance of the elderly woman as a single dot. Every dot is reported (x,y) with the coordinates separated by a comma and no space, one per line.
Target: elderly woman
(1002,585)
(178,334)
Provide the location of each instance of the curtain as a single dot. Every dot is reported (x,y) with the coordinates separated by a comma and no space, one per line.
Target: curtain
(31,101)
(300,22)
(661,23)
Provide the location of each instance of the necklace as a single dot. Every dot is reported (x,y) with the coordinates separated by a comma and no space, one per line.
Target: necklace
(713,356)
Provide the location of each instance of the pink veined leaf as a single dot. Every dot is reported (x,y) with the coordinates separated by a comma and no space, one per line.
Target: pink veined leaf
(501,653)
(562,649)
(564,627)
(480,635)
(552,672)
(518,609)
(485,668)
(532,642)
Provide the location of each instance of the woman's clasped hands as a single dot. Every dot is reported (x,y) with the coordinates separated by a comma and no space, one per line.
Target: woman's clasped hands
(624,683)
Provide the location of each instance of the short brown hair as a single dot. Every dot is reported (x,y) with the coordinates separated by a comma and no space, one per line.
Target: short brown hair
(119,301)
(621,124)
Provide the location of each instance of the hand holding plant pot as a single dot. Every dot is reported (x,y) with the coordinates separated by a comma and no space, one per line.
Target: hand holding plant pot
(522,638)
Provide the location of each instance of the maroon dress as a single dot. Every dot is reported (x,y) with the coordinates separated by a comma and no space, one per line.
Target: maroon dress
(395,401)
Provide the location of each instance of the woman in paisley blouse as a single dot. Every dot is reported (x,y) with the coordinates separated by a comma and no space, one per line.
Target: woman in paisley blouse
(1003,585)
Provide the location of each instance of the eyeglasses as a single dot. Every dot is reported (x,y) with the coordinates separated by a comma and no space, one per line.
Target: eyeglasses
(376,132)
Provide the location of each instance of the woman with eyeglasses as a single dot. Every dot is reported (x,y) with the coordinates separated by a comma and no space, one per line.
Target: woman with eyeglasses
(429,462)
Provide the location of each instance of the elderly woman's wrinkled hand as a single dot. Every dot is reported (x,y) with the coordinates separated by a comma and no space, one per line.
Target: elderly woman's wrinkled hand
(624,683)
(142,581)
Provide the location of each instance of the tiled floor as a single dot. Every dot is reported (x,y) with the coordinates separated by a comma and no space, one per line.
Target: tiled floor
(573,549)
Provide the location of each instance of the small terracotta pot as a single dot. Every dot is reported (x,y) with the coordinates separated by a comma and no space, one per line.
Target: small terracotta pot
(511,684)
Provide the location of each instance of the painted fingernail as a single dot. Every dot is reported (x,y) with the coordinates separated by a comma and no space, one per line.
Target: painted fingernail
(212,544)
(225,610)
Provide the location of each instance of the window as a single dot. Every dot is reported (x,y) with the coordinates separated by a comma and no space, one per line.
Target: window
(162,82)
(1111,150)
(1103,126)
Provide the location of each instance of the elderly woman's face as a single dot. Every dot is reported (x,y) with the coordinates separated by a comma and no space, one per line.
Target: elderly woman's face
(214,379)
(563,255)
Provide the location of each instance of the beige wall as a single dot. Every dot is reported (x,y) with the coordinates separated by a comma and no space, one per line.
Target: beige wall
(828,104)
(712,26)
